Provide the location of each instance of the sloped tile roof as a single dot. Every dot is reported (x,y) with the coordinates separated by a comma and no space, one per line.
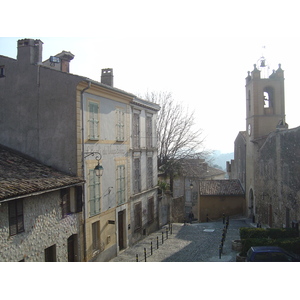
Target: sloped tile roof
(21,176)
(198,168)
(223,187)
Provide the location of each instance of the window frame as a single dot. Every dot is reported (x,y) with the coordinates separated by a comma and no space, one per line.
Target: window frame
(150,206)
(136,130)
(136,175)
(94,193)
(137,216)
(93,123)
(120,124)
(96,236)
(121,184)
(149,172)
(149,131)
(16,217)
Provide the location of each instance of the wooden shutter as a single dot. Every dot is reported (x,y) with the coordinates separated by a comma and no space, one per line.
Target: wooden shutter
(138,216)
(79,198)
(93,121)
(15,214)
(12,218)
(151,210)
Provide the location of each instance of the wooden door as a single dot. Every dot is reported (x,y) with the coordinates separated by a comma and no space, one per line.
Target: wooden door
(121,229)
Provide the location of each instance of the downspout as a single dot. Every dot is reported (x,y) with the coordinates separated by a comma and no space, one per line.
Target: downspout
(83,170)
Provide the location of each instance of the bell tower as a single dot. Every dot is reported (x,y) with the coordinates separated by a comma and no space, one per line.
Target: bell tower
(265,113)
(265,107)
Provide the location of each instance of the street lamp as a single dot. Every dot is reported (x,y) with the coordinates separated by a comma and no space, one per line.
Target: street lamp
(98,168)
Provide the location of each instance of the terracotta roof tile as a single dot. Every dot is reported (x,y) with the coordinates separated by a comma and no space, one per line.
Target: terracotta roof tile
(20,176)
(223,187)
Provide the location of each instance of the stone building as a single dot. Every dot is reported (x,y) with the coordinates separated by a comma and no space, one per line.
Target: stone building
(277,179)
(144,207)
(266,154)
(84,128)
(40,211)
(186,184)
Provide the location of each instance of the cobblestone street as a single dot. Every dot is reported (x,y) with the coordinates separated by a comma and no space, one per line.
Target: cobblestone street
(197,242)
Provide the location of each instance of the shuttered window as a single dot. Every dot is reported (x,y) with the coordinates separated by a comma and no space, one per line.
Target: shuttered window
(93,121)
(149,172)
(120,125)
(137,175)
(121,184)
(151,210)
(149,132)
(94,193)
(136,130)
(138,216)
(16,219)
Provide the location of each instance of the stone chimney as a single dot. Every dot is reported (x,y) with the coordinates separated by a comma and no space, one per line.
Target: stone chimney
(30,51)
(107,77)
(65,58)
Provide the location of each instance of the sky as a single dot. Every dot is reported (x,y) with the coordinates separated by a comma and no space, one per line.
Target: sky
(200,52)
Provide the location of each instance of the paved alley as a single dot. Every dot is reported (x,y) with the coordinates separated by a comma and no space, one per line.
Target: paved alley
(197,242)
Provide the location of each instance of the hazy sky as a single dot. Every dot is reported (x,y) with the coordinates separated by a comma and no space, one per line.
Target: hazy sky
(197,51)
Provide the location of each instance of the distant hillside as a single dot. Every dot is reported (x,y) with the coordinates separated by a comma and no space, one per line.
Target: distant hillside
(218,159)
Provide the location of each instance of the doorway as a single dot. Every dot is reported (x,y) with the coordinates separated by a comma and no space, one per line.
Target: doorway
(72,249)
(121,231)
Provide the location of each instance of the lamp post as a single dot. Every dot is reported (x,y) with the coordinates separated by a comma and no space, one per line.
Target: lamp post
(98,168)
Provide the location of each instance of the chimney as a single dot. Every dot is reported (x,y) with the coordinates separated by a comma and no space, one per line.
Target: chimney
(107,77)
(65,58)
(30,51)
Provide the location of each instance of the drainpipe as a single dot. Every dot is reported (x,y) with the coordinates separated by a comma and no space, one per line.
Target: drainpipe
(83,170)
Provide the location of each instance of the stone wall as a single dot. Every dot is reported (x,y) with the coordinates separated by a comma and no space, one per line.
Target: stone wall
(277,188)
(44,227)
(178,210)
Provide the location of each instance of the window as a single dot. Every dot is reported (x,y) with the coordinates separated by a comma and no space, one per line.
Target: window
(2,71)
(94,193)
(96,235)
(149,132)
(50,254)
(150,210)
(138,216)
(136,130)
(120,125)
(93,120)
(137,175)
(149,172)
(121,184)
(16,220)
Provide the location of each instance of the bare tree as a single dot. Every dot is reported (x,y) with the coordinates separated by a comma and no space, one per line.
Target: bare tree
(177,136)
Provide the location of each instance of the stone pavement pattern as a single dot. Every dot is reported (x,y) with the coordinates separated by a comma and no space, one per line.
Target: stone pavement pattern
(197,242)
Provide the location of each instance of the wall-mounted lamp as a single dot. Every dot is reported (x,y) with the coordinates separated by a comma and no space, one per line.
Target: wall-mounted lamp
(191,185)
(98,168)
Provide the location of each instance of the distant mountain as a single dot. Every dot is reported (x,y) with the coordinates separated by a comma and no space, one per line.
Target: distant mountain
(218,159)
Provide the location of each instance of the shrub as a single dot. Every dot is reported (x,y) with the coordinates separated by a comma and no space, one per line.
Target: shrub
(291,244)
(247,233)
(277,233)
(272,233)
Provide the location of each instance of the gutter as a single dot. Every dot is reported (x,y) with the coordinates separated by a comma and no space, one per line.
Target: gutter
(83,170)
(41,192)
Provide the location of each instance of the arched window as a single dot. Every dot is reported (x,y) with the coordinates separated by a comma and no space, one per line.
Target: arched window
(268,99)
